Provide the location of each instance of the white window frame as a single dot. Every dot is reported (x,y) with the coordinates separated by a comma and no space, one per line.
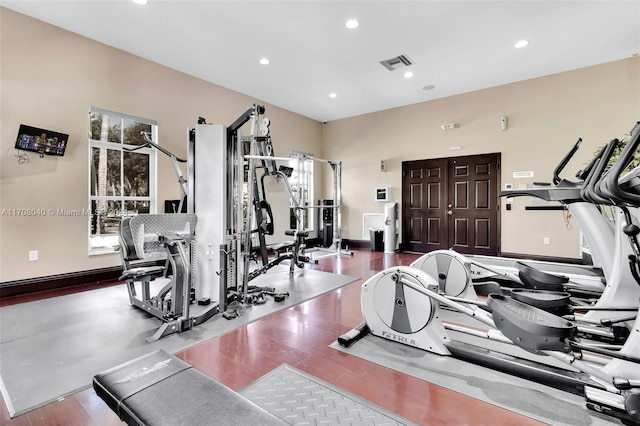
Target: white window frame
(109,242)
(305,161)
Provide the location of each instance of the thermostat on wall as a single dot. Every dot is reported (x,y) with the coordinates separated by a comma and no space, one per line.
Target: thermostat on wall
(383,194)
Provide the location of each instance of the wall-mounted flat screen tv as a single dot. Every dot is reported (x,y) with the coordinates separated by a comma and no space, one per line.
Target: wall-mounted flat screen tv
(41,141)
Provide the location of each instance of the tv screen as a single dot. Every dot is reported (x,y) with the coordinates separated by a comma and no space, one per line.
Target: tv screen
(41,140)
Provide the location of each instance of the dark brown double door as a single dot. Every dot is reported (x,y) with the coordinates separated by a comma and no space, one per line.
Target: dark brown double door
(451,203)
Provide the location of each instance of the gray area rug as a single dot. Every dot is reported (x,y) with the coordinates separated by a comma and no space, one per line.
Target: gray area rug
(52,348)
(531,399)
(300,399)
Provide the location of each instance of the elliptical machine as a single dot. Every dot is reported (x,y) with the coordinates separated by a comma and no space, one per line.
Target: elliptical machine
(606,317)
(403,304)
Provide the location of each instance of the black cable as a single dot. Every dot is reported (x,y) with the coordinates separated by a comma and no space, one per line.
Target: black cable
(22,157)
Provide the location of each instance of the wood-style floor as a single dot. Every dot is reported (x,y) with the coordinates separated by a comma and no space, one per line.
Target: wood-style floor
(298,336)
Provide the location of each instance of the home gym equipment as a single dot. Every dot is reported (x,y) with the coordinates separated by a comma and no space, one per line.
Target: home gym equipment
(603,318)
(225,190)
(209,267)
(216,194)
(404,303)
(300,206)
(332,239)
(141,238)
(620,292)
(455,272)
(161,389)
(598,230)
(290,250)
(620,289)
(230,202)
(605,238)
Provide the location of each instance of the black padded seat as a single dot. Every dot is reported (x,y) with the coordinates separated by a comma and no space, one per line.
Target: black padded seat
(137,274)
(160,389)
(280,246)
(296,233)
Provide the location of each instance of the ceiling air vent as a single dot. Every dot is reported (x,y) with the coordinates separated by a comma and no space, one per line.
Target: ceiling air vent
(392,63)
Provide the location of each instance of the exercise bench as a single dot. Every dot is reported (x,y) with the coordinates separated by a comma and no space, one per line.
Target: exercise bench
(160,389)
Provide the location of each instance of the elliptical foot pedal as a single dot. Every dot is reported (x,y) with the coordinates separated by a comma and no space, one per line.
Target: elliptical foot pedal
(551,301)
(539,280)
(485,288)
(530,328)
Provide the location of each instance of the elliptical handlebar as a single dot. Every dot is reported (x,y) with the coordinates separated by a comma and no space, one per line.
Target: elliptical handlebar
(597,168)
(565,161)
(610,185)
(582,174)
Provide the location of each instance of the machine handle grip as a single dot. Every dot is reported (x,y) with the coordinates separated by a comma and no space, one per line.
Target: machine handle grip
(610,182)
(565,161)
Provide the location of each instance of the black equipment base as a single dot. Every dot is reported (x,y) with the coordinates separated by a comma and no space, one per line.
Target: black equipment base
(559,378)
(160,389)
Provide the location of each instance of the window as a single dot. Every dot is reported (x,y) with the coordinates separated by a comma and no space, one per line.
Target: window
(301,182)
(122,174)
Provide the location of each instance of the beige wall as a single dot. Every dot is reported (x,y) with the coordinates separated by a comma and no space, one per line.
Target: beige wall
(546,116)
(50,79)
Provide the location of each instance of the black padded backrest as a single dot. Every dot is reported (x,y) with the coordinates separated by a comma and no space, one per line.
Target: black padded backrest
(127,247)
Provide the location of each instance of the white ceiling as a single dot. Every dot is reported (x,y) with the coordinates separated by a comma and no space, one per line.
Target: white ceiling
(458,46)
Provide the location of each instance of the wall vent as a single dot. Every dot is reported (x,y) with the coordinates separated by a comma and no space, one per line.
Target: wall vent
(392,63)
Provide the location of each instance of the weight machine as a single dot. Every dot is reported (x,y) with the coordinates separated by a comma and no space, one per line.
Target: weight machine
(225,190)
(223,196)
(231,205)
(141,237)
(300,207)
(335,249)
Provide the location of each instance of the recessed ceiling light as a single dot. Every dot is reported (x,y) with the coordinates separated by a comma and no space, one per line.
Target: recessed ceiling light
(332,95)
(352,24)
(408,74)
(429,87)
(521,43)
(140,1)
(264,61)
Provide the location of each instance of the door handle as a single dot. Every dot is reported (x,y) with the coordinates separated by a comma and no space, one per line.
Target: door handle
(449,212)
